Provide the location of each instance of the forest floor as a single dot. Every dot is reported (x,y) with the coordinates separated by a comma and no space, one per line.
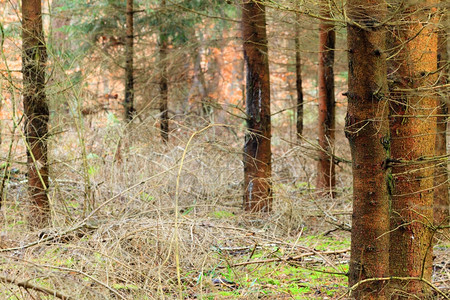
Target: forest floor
(136,219)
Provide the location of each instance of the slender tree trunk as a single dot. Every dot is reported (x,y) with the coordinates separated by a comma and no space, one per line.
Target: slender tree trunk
(58,20)
(200,76)
(163,82)
(298,77)
(367,130)
(129,78)
(413,130)
(441,196)
(326,179)
(34,58)
(257,151)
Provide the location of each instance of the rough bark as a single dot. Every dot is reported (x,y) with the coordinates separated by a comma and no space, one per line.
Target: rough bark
(367,130)
(34,58)
(326,179)
(413,130)
(298,77)
(441,195)
(129,78)
(257,151)
(163,82)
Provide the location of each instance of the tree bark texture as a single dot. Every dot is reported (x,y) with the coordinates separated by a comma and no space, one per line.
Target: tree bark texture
(36,112)
(367,130)
(413,129)
(441,195)
(129,78)
(326,179)
(298,77)
(163,82)
(257,151)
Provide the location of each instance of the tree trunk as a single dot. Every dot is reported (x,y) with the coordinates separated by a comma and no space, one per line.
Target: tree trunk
(326,179)
(163,82)
(367,130)
(257,151)
(298,77)
(202,86)
(413,130)
(34,57)
(441,196)
(129,79)
(58,20)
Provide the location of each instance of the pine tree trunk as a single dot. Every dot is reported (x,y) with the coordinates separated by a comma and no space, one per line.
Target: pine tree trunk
(413,130)
(129,78)
(298,77)
(58,21)
(34,58)
(441,196)
(200,76)
(163,82)
(257,151)
(326,179)
(367,130)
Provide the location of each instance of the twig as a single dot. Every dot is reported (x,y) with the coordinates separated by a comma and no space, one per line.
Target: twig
(29,286)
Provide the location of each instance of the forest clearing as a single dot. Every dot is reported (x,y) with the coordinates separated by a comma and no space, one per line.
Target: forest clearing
(239,149)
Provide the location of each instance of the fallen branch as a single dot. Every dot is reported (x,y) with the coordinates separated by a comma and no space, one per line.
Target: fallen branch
(288,259)
(48,238)
(112,290)
(29,286)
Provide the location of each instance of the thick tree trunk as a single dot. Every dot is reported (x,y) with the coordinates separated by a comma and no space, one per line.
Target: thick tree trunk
(326,179)
(367,130)
(441,196)
(34,57)
(298,77)
(163,82)
(129,78)
(257,151)
(413,130)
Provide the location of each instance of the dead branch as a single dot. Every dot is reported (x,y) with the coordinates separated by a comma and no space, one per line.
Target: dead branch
(289,259)
(29,286)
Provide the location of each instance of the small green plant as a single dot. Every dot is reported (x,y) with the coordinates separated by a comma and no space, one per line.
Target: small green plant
(146,197)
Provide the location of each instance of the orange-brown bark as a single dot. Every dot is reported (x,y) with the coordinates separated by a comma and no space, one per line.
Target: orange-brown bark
(326,178)
(34,58)
(367,130)
(413,130)
(441,195)
(257,151)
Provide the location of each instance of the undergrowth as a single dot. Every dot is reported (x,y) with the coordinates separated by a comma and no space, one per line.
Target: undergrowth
(125,241)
